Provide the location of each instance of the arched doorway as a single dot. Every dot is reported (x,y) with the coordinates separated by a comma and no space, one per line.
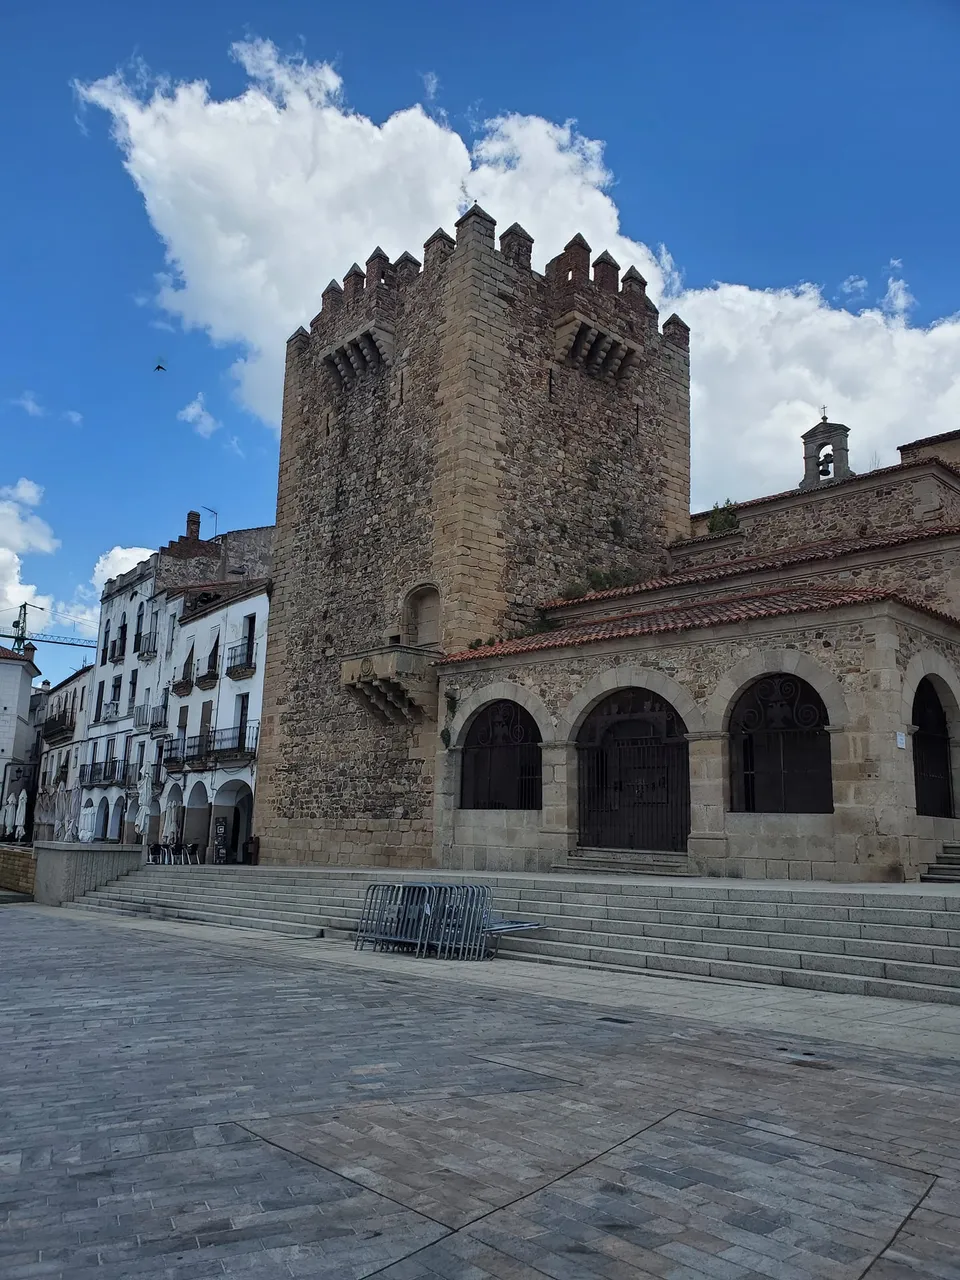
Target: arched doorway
(103,819)
(780,748)
(196,819)
(501,764)
(634,774)
(116,819)
(932,764)
(421,618)
(233,808)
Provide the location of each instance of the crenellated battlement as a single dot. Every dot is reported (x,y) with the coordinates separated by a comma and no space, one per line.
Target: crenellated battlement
(368,299)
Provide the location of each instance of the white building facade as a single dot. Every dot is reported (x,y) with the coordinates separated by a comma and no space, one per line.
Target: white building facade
(63,735)
(214,640)
(20,712)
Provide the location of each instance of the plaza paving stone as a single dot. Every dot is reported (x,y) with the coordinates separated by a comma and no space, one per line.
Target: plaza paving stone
(176,1102)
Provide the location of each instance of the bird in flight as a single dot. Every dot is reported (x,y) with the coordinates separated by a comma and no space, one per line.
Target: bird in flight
(160,369)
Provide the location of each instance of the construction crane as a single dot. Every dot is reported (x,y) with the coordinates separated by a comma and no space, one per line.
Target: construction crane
(19,634)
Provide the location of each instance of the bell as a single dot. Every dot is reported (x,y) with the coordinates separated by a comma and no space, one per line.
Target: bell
(826,464)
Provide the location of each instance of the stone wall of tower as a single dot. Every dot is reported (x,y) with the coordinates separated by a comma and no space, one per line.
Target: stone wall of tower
(474,426)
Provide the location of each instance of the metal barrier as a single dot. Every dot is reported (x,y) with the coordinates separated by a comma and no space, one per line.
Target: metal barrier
(448,921)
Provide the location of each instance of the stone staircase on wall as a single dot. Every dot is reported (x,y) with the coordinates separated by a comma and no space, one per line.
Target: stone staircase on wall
(946,869)
(866,940)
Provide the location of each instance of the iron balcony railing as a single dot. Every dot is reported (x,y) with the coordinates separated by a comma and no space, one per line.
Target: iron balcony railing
(118,650)
(207,671)
(57,728)
(141,715)
(203,750)
(241,657)
(145,645)
(111,711)
(105,773)
(158,717)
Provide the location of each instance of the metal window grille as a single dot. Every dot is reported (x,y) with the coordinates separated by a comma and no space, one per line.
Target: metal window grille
(502,766)
(932,765)
(634,774)
(780,749)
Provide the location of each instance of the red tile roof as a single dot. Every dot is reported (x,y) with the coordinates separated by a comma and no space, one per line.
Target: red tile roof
(826,549)
(693,615)
(834,484)
(8,653)
(940,439)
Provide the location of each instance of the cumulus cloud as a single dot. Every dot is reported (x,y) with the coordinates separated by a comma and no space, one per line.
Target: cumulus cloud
(854,285)
(200,418)
(21,532)
(261,198)
(28,402)
(82,613)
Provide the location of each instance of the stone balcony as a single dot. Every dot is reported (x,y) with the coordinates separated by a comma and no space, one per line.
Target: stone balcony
(398,683)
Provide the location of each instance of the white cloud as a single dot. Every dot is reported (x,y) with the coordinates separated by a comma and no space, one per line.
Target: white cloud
(233,446)
(261,198)
(28,402)
(21,532)
(431,83)
(854,285)
(116,561)
(73,416)
(898,299)
(82,613)
(202,421)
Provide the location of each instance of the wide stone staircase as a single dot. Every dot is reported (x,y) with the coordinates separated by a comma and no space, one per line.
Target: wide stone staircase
(897,941)
(946,869)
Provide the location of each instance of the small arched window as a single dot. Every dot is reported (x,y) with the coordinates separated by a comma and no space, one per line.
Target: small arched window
(138,634)
(106,643)
(422,618)
(501,760)
(932,765)
(780,749)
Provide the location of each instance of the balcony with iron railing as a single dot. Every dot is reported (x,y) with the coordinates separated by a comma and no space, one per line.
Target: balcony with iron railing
(182,686)
(105,773)
(208,672)
(141,716)
(241,660)
(110,712)
(118,650)
(158,719)
(59,727)
(145,646)
(212,747)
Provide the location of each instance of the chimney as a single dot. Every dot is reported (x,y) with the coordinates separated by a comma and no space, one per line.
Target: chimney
(30,652)
(44,686)
(193,526)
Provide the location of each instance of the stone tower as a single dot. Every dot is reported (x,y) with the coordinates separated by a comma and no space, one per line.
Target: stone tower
(459,443)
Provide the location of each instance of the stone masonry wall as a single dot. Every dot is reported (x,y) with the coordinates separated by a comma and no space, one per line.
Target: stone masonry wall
(17,869)
(474,426)
(873,833)
(897,502)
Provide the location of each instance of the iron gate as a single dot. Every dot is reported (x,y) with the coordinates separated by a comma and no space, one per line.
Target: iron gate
(932,771)
(634,775)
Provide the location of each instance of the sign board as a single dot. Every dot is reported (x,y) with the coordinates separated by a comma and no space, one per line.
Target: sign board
(901,740)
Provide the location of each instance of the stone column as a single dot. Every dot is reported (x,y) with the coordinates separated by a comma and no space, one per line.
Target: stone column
(707,845)
(559,824)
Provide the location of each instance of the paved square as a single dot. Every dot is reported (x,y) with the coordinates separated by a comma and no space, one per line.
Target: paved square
(179,1102)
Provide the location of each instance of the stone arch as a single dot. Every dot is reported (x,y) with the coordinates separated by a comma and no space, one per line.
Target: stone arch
(945,680)
(116,819)
(501,691)
(771,662)
(626,677)
(233,804)
(420,617)
(196,816)
(103,819)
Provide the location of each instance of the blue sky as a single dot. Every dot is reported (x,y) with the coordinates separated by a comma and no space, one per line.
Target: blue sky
(796,160)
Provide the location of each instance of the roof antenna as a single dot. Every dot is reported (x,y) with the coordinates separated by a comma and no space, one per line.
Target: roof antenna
(216,519)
